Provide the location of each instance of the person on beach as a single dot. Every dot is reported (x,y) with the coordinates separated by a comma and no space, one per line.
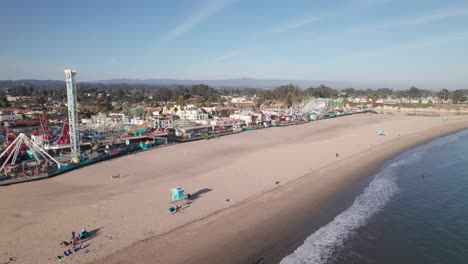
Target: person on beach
(75,239)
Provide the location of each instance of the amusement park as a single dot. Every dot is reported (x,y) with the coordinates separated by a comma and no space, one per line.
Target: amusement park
(50,150)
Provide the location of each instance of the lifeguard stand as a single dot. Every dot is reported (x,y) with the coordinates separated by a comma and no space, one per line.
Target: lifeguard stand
(178,194)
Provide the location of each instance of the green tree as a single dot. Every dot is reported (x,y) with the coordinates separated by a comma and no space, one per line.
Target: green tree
(3,101)
(349,91)
(162,94)
(444,94)
(458,96)
(288,100)
(322,92)
(181,100)
(98,104)
(414,92)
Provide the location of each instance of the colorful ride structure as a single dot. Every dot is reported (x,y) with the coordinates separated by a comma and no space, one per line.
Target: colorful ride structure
(136,129)
(47,135)
(9,135)
(24,158)
(64,138)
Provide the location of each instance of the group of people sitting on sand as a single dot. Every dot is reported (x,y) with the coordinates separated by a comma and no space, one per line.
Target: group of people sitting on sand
(75,240)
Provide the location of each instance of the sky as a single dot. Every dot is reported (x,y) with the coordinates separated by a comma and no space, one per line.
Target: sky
(383,42)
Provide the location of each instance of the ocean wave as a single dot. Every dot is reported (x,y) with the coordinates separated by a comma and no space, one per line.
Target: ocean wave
(319,247)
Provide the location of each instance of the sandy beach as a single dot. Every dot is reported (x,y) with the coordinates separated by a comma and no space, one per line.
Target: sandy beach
(239,213)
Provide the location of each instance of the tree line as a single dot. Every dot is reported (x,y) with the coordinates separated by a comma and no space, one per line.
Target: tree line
(106,96)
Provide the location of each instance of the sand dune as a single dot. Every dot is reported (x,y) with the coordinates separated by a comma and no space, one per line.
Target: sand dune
(243,168)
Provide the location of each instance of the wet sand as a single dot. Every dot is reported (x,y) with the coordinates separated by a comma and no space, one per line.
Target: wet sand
(261,220)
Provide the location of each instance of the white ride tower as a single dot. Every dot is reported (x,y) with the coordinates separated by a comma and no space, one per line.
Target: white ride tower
(73,115)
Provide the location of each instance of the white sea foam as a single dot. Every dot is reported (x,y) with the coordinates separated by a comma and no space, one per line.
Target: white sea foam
(319,247)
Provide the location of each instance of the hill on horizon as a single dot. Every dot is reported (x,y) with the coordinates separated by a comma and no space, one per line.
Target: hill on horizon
(236,83)
(222,83)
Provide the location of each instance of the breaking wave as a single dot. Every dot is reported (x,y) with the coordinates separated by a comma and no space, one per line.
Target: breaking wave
(318,247)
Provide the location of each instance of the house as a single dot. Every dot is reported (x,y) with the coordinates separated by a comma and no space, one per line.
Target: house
(245,116)
(163,123)
(192,115)
(157,112)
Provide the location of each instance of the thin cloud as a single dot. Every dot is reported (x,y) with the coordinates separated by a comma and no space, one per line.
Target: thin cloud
(278,30)
(208,9)
(352,5)
(415,45)
(424,19)
(293,24)
(438,15)
(302,22)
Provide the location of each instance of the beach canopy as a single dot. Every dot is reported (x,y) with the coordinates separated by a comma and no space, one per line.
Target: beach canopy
(381,132)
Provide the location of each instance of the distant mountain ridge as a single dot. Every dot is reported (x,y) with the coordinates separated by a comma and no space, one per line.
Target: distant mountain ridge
(229,83)
(240,82)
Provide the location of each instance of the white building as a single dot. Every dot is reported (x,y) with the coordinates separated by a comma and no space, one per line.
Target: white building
(10,117)
(240,100)
(245,116)
(192,115)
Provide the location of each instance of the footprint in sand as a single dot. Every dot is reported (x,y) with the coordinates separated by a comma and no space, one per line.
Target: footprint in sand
(22,214)
(150,233)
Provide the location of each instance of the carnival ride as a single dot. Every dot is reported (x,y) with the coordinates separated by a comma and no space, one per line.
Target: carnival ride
(47,135)
(9,135)
(64,135)
(315,106)
(136,129)
(24,158)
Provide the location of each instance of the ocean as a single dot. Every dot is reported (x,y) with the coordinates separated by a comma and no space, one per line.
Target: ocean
(415,210)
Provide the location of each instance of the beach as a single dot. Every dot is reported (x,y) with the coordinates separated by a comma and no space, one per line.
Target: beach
(253,193)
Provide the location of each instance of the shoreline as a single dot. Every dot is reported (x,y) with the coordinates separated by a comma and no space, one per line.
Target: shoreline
(267,227)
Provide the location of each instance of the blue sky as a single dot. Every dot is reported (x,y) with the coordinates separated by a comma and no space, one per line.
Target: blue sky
(385,42)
